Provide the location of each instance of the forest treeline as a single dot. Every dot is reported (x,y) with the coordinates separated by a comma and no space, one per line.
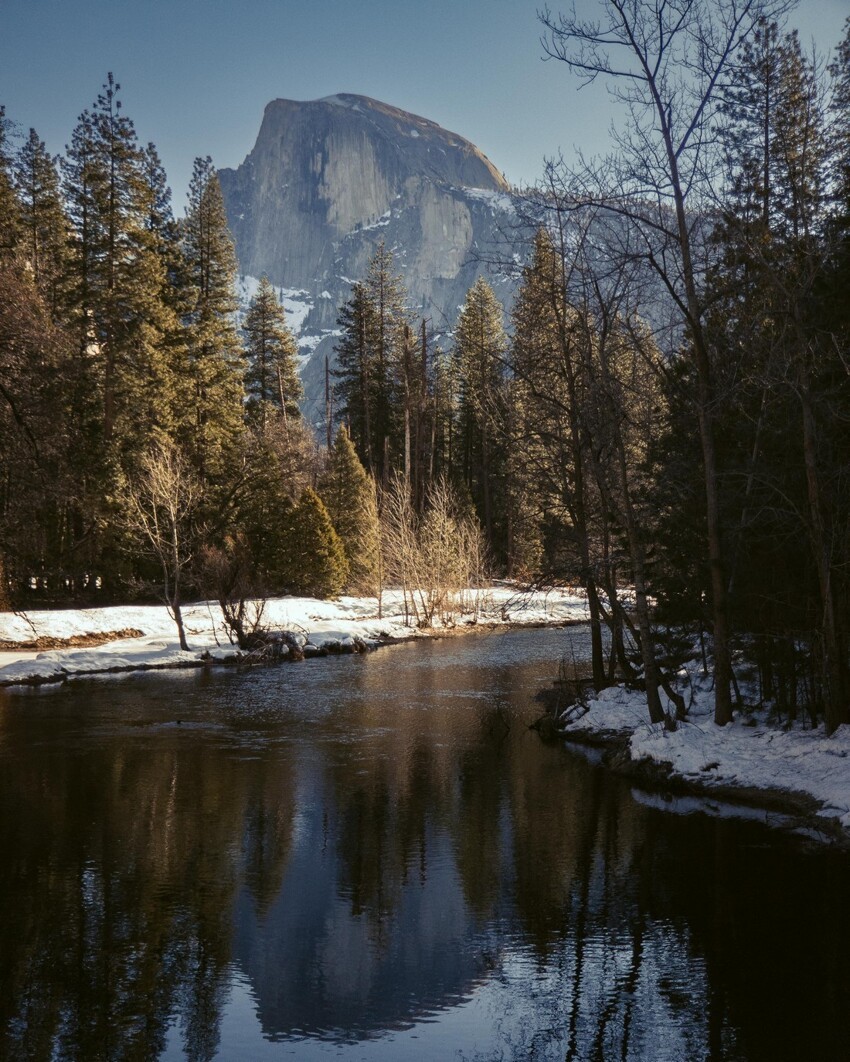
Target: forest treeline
(151,434)
(661,418)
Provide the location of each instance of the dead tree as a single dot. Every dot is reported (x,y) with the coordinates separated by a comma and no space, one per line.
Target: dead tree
(160,503)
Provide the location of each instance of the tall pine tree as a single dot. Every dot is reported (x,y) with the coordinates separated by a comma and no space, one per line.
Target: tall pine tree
(271,377)
(374,364)
(480,351)
(44,225)
(212,408)
(9,205)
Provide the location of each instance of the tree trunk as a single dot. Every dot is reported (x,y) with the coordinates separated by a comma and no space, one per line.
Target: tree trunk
(705,407)
(178,619)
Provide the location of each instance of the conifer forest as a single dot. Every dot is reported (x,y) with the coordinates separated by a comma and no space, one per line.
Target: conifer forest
(660,416)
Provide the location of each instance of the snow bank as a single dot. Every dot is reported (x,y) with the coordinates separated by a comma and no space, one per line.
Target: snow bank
(748,753)
(322,623)
(761,757)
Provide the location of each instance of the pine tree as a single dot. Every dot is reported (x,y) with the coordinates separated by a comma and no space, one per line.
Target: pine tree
(374,365)
(769,323)
(549,442)
(840,130)
(444,390)
(545,443)
(36,445)
(799,146)
(271,378)
(348,493)
(839,231)
(480,351)
(10,220)
(121,314)
(165,382)
(44,225)
(212,413)
(750,107)
(245,552)
(356,372)
(315,557)
(386,291)
(35,493)
(119,279)
(417,383)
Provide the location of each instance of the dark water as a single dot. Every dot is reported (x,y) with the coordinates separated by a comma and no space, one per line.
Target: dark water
(373,858)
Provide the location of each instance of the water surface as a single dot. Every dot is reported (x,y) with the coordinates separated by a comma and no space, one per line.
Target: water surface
(374,858)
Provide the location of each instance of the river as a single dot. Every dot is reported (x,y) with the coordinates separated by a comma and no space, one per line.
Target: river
(373,858)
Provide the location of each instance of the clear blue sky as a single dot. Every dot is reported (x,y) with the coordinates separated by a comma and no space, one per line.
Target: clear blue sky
(196,74)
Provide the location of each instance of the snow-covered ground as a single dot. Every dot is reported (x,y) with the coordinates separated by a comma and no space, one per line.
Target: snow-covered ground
(320,622)
(751,752)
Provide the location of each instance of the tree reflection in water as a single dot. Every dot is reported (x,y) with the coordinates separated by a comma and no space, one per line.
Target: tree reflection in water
(379,845)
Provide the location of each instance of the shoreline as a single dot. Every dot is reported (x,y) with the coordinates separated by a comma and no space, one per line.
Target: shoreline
(235,658)
(118,640)
(789,810)
(792,777)
(797,775)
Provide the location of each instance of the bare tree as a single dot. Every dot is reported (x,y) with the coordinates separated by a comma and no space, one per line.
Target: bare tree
(227,571)
(160,503)
(665,62)
(435,559)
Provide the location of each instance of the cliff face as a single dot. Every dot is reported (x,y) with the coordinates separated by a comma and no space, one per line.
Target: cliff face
(327,180)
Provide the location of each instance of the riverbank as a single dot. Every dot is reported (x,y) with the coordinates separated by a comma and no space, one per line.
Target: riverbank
(346,625)
(792,770)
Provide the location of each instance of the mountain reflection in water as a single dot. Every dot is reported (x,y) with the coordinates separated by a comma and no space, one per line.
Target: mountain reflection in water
(374,858)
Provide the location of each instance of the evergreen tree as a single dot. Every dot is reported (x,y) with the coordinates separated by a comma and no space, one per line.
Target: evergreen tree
(387,294)
(212,413)
(356,372)
(417,380)
(44,225)
(375,365)
(120,311)
(750,106)
(445,388)
(314,555)
(799,145)
(244,558)
(166,382)
(840,128)
(35,493)
(10,220)
(349,496)
(480,351)
(771,324)
(839,230)
(271,378)
(550,442)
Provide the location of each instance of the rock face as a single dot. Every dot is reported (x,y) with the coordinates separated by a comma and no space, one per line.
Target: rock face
(329,179)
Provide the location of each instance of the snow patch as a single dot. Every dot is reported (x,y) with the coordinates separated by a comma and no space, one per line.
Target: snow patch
(296,302)
(319,621)
(750,752)
(497,201)
(381,223)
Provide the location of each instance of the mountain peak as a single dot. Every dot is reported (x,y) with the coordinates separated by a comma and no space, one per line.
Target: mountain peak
(328,179)
(393,124)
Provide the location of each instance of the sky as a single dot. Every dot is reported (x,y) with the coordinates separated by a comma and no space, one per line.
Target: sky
(196,74)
